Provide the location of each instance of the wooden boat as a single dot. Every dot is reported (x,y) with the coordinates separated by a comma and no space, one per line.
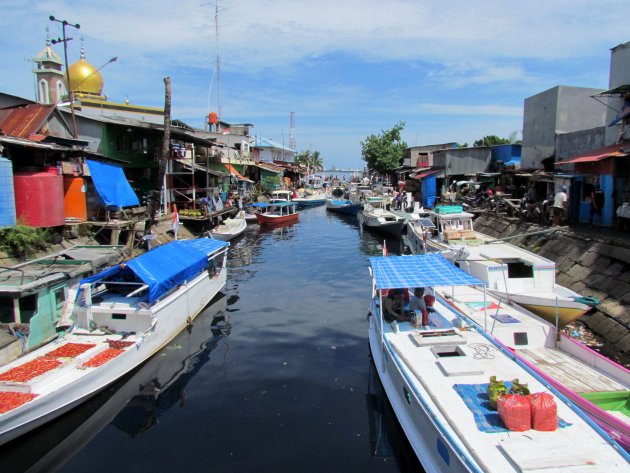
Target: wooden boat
(279,213)
(36,296)
(343,206)
(376,218)
(596,384)
(230,228)
(253,209)
(123,316)
(133,404)
(436,379)
(512,273)
(310,201)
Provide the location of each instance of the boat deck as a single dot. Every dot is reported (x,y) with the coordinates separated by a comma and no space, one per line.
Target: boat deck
(569,371)
(540,348)
(444,364)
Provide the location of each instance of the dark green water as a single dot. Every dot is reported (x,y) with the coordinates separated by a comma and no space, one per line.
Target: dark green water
(275,375)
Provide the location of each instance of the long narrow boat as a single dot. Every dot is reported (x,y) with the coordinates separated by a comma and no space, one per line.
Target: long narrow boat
(596,384)
(436,379)
(279,213)
(343,206)
(512,273)
(123,316)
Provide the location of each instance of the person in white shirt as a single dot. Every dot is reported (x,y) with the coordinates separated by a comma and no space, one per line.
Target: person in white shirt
(623,215)
(559,205)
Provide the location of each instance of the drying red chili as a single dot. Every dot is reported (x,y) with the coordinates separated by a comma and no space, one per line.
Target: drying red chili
(102,358)
(119,344)
(71,349)
(30,370)
(10,400)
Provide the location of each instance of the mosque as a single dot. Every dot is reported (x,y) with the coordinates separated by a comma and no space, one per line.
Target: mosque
(86,83)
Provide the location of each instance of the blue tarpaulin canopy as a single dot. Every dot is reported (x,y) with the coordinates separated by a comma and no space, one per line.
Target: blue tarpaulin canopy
(166,266)
(418,271)
(112,185)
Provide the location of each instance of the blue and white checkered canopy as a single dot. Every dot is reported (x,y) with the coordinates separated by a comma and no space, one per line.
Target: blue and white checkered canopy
(418,271)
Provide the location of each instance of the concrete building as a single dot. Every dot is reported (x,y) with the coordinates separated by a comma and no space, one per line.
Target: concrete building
(618,94)
(560,109)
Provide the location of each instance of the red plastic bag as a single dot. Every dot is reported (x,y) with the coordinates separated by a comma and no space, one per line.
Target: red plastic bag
(515,411)
(544,412)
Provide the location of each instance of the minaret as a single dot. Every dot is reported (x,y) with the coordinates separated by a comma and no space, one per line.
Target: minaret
(49,76)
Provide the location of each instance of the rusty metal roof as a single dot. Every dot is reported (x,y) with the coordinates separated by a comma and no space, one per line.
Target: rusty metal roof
(25,120)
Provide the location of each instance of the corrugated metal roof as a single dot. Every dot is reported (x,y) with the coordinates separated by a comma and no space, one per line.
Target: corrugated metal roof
(24,121)
(599,154)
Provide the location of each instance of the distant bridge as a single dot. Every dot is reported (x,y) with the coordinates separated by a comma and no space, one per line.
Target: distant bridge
(343,170)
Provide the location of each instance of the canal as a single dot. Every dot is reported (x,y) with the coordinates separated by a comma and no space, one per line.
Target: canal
(274,376)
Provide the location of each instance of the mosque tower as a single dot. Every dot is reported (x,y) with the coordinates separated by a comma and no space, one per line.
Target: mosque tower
(49,76)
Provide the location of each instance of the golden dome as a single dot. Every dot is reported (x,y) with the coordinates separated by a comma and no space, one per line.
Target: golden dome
(85,78)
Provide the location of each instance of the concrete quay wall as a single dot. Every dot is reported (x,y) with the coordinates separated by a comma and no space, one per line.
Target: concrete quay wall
(590,261)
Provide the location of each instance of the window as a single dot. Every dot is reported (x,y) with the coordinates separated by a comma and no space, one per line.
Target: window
(28,308)
(44,96)
(60,297)
(519,269)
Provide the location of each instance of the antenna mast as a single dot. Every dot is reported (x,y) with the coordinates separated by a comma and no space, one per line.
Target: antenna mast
(216,22)
(292,131)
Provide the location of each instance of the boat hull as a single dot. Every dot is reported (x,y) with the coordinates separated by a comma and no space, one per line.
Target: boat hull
(431,449)
(171,315)
(343,207)
(227,233)
(267,219)
(387,228)
(568,310)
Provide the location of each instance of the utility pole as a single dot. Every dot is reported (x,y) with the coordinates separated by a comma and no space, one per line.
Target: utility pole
(65,40)
(154,199)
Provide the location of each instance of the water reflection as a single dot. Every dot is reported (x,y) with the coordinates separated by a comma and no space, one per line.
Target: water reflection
(387,439)
(133,404)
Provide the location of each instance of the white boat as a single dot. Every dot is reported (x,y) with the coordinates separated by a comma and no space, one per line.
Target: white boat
(375,217)
(230,228)
(436,379)
(602,389)
(133,404)
(123,316)
(512,273)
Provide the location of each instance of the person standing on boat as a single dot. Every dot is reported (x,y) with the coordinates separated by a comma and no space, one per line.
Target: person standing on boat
(559,206)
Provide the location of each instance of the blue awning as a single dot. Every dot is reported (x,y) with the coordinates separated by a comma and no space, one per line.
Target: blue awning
(418,271)
(112,185)
(166,266)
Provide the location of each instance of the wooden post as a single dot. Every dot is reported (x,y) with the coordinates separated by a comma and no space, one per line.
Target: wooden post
(154,201)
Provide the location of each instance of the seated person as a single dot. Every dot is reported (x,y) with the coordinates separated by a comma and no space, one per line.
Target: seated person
(418,303)
(394,306)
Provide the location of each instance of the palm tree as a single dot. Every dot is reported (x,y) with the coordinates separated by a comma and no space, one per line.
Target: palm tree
(312,161)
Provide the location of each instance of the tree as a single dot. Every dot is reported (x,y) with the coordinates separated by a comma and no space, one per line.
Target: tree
(491,140)
(312,161)
(384,152)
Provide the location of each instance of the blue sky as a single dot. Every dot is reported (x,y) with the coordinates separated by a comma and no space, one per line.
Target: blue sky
(453,71)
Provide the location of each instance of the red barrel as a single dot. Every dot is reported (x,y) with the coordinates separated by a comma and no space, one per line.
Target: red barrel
(74,202)
(39,199)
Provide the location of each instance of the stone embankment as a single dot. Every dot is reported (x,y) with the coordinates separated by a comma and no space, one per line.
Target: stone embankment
(594,262)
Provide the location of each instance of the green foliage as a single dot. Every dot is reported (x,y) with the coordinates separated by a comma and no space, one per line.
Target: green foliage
(310,160)
(22,241)
(491,140)
(384,152)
